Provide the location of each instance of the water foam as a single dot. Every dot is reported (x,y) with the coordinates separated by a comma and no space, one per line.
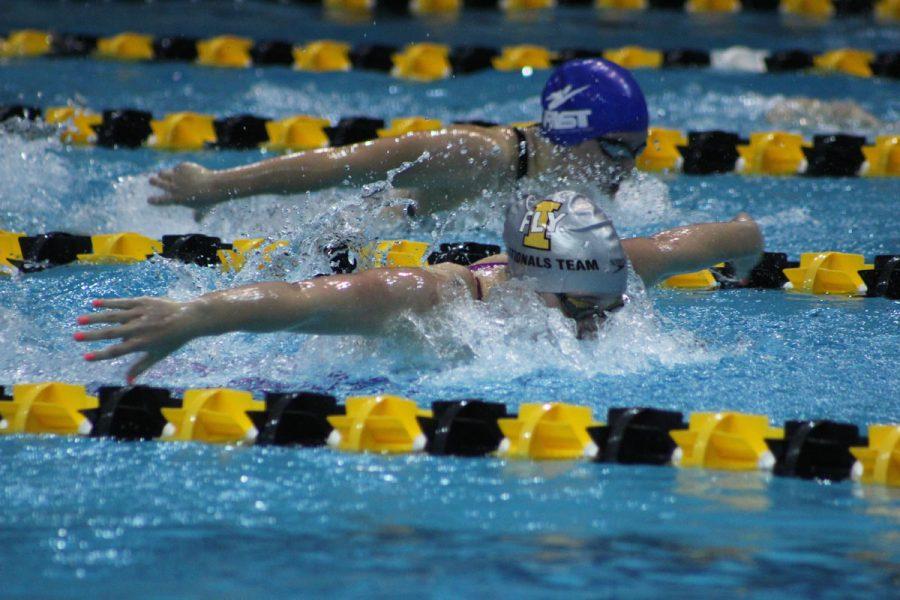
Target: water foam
(514,335)
(641,200)
(792,216)
(708,110)
(34,177)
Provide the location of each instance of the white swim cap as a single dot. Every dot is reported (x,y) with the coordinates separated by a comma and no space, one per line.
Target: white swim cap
(565,244)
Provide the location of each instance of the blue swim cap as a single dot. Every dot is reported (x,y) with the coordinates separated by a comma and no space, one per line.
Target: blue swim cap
(587,98)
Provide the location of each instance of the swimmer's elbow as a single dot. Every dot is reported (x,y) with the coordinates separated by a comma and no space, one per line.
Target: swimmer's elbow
(647,257)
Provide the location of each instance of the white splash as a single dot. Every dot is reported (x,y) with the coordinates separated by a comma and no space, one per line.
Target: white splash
(34,177)
(792,216)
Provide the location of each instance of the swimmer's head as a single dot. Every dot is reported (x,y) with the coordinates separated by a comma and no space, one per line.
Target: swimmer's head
(566,248)
(590,99)
(595,117)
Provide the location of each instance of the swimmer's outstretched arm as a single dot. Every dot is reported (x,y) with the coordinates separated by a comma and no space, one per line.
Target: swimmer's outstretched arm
(694,247)
(356,304)
(436,159)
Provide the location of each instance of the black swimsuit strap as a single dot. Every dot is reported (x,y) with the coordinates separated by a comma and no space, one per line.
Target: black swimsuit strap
(522,164)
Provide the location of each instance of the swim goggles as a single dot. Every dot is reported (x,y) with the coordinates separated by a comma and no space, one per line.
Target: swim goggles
(578,309)
(618,150)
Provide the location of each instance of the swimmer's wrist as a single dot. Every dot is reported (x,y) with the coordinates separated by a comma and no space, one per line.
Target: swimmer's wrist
(200,318)
(217,186)
(225,185)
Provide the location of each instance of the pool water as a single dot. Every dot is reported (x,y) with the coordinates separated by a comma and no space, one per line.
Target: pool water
(113,519)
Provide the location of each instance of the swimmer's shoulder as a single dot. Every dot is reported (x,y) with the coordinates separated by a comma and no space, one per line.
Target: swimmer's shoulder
(497,148)
(491,260)
(477,280)
(504,136)
(452,272)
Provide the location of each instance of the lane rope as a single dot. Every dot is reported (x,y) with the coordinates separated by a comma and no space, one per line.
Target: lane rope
(732,441)
(428,61)
(826,272)
(668,150)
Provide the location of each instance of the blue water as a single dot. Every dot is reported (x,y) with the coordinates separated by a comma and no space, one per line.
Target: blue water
(112,519)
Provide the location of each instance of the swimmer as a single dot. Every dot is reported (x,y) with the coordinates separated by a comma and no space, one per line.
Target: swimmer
(593,126)
(822,114)
(562,246)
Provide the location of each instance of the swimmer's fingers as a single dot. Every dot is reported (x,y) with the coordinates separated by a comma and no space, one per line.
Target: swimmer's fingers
(106,333)
(119,303)
(163,180)
(167,196)
(111,316)
(122,310)
(141,366)
(116,350)
(156,326)
(125,332)
(161,200)
(171,190)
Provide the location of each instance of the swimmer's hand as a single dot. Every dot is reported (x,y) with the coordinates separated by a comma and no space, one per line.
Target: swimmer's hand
(189,185)
(754,241)
(155,326)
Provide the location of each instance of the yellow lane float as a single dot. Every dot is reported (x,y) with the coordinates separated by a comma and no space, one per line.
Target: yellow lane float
(385,424)
(434,7)
(880,461)
(772,153)
(350,6)
(846,60)
(817,9)
(713,6)
(729,441)
(225,51)
(323,55)
(297,133)
(551,431)
(621,4)
(525,5)
(884,157)
(392,253)
(516,58)
(634,57)
(422,62)
(406,125)
(25,42)
(828,273)
(661,153)
(121,248)
(9,250)
(78,124)
(182,131)
(217,415)
(234,260)
(126,46)
(888,10)
(698,280)
(50,407)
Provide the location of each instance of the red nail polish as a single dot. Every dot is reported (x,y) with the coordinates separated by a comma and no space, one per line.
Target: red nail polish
(79,336)
(97,303)
(82,320)
(90,356)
